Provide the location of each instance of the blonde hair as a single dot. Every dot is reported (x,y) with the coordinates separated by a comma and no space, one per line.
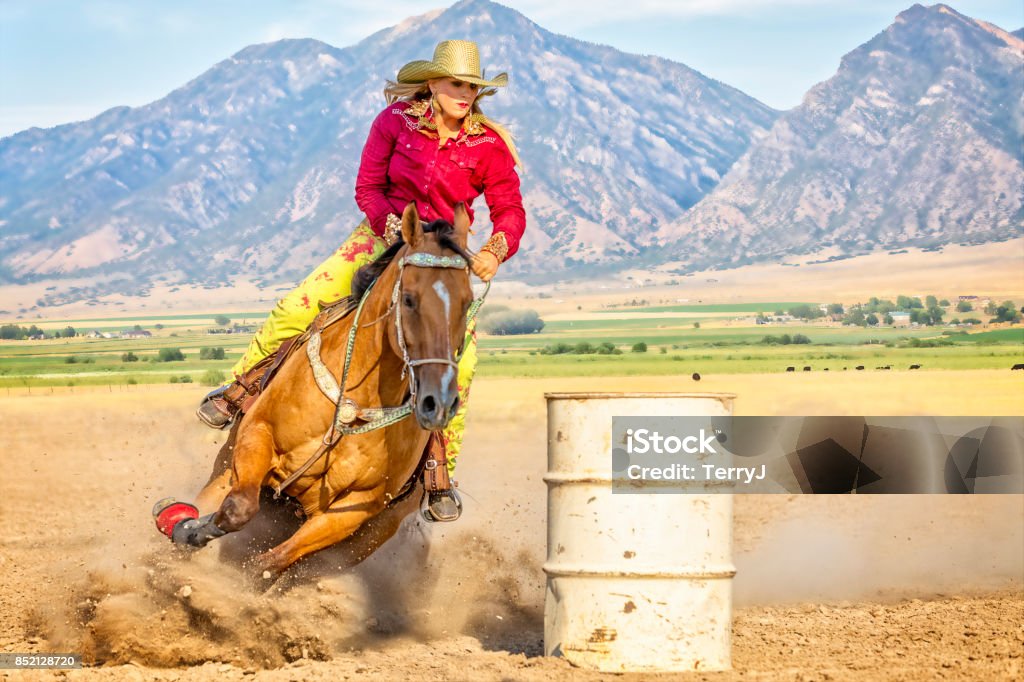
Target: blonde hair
(410,92)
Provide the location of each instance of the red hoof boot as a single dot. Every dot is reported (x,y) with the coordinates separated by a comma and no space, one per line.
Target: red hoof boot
(168,513)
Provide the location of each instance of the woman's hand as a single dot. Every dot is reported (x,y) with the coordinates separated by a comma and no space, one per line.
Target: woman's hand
(485,265)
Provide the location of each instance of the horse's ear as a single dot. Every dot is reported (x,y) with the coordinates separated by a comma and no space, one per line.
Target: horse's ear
(412,231)
(461,225)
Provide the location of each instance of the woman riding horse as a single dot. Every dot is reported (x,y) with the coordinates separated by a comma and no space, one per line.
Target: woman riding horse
(431,145)
(351,454)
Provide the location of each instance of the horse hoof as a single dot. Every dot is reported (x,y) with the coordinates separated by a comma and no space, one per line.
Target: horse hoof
(168,512)
(196,533)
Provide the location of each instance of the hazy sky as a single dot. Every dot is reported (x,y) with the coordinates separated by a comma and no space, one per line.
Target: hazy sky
(63,61)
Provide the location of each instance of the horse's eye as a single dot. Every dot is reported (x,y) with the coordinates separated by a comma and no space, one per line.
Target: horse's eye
(408,301)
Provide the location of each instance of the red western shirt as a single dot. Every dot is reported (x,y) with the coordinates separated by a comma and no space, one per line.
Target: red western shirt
(403,162)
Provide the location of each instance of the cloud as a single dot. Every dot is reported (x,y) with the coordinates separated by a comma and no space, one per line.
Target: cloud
(589,12)
(114,17)
(344,22)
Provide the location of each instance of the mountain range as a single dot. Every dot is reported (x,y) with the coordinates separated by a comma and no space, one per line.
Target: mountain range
(916,141)
(247,171)
(249,168)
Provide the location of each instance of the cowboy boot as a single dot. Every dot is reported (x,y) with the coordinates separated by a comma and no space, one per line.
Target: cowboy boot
(221,405)
(216,411)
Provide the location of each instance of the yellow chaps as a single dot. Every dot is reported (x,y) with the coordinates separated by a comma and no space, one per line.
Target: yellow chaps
(331,280)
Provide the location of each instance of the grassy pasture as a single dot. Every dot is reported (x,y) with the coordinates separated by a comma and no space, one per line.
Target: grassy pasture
(675,347)
(659,331)
(752,308)
(773,359)
(127,321)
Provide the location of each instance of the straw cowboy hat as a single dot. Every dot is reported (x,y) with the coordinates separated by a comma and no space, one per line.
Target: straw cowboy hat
(457,59)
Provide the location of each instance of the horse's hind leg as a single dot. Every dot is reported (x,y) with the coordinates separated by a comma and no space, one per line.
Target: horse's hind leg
(342,519)
(252,458)
(372,534)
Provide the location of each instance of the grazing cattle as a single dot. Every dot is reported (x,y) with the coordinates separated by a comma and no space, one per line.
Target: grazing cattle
(859,367)
(793,369)
(915,367)
(1019,365)
(826,369)
(696,376)
(807,368)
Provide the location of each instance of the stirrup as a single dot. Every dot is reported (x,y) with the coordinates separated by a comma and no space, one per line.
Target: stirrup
(215,411)
(441,505)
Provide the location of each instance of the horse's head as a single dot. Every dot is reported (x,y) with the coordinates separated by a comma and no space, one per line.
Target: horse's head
(433,296)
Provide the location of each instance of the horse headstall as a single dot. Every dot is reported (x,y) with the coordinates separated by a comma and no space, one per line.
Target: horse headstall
(421,259)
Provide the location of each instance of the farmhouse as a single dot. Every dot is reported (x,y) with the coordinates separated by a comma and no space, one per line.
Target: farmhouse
(900,319)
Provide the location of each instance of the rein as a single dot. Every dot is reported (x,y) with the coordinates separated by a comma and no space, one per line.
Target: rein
(346,410)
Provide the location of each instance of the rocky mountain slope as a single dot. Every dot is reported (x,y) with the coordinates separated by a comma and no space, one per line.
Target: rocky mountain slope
(248,170)
(915,141)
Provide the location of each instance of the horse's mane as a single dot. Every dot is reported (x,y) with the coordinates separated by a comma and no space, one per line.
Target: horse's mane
(369,273)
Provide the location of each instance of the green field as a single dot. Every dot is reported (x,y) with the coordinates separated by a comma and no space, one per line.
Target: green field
(674,347)
(200,319)
(752,308)
(662,332)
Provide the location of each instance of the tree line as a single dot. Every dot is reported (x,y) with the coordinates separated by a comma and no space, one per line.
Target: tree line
(500,320)
(16,332)
(931,311)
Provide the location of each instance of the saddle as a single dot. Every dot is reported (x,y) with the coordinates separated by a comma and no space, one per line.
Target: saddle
(247,388)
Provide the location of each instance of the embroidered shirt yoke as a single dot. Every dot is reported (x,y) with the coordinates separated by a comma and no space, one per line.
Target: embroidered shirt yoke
(403,162)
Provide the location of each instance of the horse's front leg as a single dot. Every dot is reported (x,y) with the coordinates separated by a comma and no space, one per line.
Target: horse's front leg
(252,458)
(341,520)
(218,486)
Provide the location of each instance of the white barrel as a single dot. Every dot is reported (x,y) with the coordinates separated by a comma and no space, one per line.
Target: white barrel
(635,582)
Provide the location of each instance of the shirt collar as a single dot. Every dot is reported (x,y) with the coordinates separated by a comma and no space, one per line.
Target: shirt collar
(423,112)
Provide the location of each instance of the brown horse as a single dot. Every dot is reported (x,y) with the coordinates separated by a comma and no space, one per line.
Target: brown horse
(412,323)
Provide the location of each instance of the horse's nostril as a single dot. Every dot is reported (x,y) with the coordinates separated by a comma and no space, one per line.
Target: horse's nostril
(455,405)
(428,405)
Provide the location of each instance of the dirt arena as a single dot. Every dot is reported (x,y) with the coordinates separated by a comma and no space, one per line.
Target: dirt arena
(828,588)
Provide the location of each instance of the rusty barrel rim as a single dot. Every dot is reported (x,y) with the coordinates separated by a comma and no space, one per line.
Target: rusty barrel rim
(711,571)
(606,395)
